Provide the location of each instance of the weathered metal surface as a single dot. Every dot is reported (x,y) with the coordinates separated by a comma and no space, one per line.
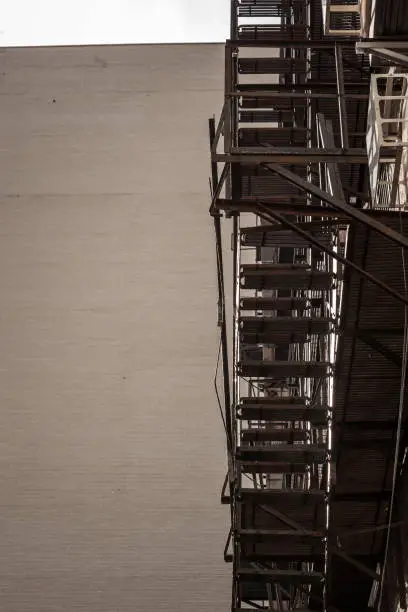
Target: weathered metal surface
(266,90)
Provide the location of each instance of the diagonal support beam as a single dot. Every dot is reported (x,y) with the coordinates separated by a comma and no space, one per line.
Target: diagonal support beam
(379,347)
(284,518)
(228,557)
(220,127)
(354,532)
(266,214)
(391,56)
(360,566)
(251,603)
(218,187)
(350,211)
(225,499)
(384,50)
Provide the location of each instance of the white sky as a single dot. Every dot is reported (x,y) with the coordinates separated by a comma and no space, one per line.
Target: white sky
(82,22)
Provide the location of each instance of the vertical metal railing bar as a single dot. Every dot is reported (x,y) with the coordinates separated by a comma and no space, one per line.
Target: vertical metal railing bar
(229,410)
(221,299)
(236,314)
(228,113)
(341,97)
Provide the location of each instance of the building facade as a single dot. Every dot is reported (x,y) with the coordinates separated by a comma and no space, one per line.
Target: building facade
(111,451)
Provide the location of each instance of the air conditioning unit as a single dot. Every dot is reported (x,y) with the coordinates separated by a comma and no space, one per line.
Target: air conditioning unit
(342,17)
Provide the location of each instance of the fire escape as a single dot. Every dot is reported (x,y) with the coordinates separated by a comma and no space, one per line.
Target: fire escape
(309,175)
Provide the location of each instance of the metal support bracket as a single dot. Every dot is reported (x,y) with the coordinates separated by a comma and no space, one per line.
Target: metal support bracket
(384,50)
(379,347)
(349,210)
(284,518)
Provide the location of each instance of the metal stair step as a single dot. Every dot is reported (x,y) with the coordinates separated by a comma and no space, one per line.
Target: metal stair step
(273,236)
(281,410)
(275,229)
(267,369)
(284,276)
(268,544)
(281,329)
(266,8)
(289,534)
(270,65)
(256,591)
(277,467)
(279,304)
(277,268)
(300,496)
(286,576)
(279,31)
(285,400)
(287,434)
(249,136)
(276,337)
(249,553)
(264,116)
(310,453)
(308,325)
(281,103)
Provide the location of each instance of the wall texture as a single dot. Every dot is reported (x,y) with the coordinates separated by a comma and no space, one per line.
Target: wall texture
(111,448)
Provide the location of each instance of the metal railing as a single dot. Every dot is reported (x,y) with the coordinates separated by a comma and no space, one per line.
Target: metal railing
(387,140)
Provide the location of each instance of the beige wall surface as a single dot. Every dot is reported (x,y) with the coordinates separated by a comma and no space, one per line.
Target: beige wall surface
(111,447)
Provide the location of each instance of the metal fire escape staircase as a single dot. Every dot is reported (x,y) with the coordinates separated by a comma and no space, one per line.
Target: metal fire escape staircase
(294,184)
(282,451)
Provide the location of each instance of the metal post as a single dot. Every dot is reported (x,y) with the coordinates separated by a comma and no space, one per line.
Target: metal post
(342,99)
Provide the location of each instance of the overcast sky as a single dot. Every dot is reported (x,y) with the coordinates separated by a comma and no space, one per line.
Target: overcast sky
(81,22)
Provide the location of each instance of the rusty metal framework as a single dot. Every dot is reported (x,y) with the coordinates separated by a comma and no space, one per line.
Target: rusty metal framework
(314,401)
